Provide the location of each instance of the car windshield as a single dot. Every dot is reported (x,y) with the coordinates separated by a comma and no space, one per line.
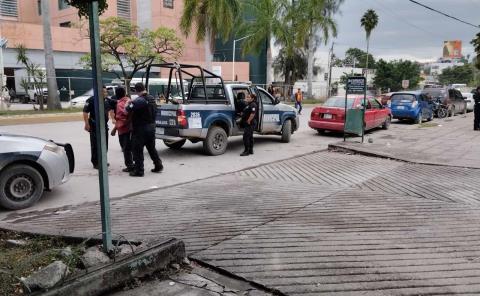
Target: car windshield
(339,102)
(403,98)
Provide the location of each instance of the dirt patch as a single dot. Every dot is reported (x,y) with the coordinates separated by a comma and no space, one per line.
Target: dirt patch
(28,253)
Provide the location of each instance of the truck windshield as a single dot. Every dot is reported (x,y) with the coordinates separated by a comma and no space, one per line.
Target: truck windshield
(215,93)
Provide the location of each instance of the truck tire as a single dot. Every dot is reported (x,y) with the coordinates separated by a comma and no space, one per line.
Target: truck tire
(174,145)
(20,187)
(216,141)
(287,131)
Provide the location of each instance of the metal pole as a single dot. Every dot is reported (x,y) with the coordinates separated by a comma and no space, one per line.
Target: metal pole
(3,42)
(100,124)
(70,91)
(233,60)
(364,110)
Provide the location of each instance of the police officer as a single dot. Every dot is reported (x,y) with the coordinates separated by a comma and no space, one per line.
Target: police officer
(476,110)
(89,120)
(249,121)
(143,110)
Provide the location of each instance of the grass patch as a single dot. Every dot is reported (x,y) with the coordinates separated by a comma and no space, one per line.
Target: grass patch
(21,261)
(427,124)
(307,102)
(38,112)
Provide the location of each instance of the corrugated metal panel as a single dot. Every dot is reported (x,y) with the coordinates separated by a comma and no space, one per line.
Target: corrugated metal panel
(8,8)
(123,9)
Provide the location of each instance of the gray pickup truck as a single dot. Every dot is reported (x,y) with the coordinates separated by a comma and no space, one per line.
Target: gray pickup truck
(214,117)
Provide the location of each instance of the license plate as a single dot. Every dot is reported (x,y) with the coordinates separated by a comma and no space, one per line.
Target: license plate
(400,107)
(327,116)
(160,130)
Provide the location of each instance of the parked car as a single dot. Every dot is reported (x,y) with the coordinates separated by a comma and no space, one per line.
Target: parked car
(468,97)
(412,105)
(450,97)
(210,112)
(331,115)
(385,98)
(80,101)
(28,166)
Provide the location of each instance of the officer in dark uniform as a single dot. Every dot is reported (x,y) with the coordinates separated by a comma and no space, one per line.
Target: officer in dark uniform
(89,119)
(476,110)
(249,120)
(143,110)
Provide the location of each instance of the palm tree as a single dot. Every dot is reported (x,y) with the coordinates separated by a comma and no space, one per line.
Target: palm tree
(476,44)
(316,16)
(269,19)
(210,18)
(53,101)
(369,21)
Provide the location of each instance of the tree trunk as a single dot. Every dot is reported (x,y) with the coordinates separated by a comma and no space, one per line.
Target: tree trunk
(310,58)
(269,78)
(208,50)
(53,100)
(366,63)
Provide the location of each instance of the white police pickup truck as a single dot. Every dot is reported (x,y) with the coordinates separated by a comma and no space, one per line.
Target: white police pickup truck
(213,117)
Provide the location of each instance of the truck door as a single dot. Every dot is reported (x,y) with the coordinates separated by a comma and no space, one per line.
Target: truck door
(260,112)
(271,121)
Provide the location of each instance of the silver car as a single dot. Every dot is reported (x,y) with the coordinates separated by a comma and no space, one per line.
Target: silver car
(29,166)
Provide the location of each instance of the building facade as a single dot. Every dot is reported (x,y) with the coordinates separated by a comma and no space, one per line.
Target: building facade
(21,23)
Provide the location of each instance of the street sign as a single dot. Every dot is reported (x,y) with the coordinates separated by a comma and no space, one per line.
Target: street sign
(355,117)
(405,84)
(356,85)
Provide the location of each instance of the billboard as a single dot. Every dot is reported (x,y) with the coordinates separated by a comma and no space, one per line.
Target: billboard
(452,49)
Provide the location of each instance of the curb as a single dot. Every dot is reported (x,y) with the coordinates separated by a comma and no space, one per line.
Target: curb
(360,151)
(154,257)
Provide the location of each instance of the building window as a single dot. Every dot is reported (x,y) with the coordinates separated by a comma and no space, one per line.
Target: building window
(39,7)
(62,4)
(66,24)
(8,8)
(123,9)
(168,3)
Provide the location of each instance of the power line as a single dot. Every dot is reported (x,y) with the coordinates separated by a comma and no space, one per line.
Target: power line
(443,13)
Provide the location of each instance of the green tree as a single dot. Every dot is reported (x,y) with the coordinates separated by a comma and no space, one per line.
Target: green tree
(35,79)
(369,22)
(476,44)
(210,18)
(267,19)
(292,66)
(82,6)
(314,22)
(389,75)
(131,49)
(358,57)
(457,74)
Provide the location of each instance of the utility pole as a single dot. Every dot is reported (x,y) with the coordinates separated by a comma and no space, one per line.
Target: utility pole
(330,65)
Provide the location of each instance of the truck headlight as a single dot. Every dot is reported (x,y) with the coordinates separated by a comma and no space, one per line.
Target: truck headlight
(52,147)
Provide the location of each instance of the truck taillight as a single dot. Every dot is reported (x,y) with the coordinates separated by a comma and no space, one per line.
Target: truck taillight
(182,118)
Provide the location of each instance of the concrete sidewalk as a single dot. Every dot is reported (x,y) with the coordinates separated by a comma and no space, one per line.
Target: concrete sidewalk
(450,141)
(321,224)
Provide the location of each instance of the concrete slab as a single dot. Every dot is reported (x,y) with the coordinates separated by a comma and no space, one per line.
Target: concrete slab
(451,142)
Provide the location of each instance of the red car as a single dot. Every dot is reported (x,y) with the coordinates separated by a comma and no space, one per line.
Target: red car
(331,115)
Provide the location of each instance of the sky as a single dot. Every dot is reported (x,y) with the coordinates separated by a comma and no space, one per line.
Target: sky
(405,30)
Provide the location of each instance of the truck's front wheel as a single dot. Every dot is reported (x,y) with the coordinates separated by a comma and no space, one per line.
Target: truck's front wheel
(216,141)
(286,131)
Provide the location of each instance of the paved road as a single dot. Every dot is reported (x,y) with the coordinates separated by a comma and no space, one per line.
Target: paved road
(185,165)
(321,224)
